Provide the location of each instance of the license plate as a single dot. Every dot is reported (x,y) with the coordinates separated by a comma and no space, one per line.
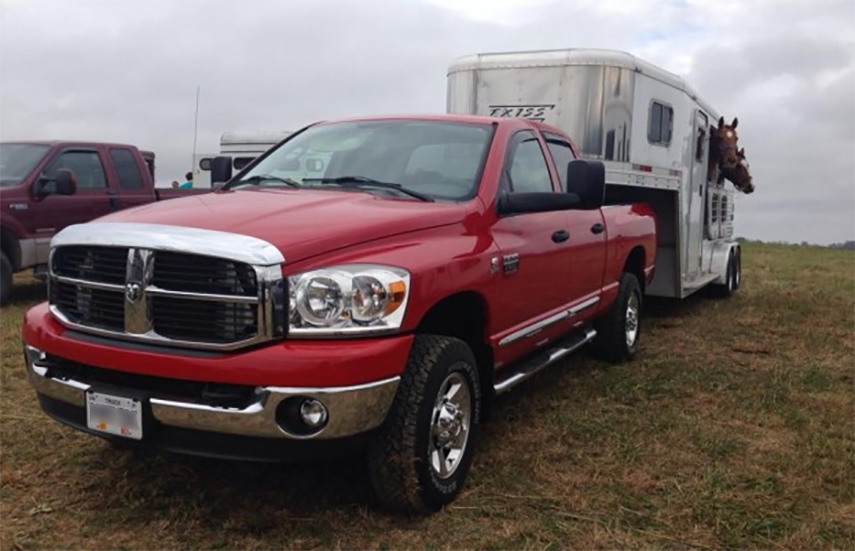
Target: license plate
(114,415)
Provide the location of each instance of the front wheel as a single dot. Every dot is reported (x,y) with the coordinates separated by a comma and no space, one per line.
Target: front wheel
(5,278)
(419,460)
(618,331)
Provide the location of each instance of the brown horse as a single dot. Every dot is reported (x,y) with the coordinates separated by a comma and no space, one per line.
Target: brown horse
(723,149)
(740,175)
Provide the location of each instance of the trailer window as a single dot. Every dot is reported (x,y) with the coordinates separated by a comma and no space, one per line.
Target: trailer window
(126,169)
(561,153)
(660,124)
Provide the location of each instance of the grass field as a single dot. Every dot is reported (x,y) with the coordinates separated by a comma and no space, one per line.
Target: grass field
(734,428)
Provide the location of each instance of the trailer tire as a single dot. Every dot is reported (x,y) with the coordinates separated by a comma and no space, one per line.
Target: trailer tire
(5,278)
(737,273)
(726,289)
(406,458)
(619,330)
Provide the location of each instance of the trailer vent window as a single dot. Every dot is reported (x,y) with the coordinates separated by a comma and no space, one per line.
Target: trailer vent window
(660,124)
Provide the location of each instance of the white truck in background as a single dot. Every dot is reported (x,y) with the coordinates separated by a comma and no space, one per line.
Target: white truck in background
(242,146)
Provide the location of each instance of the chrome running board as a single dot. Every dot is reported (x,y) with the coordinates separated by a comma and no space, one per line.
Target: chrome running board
(511,377)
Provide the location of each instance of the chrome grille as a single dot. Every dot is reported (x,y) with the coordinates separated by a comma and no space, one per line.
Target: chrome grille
(173,298)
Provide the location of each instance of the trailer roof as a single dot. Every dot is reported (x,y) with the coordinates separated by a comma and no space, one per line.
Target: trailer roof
(253,137)
(576,56)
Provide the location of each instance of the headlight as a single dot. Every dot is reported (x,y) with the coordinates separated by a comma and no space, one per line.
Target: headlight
(356,298)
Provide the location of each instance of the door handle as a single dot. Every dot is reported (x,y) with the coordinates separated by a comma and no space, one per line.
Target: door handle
(114,201)
(560,236)
(598,228)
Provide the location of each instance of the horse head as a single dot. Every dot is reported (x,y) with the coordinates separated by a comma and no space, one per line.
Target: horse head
(742,179)
(724,144)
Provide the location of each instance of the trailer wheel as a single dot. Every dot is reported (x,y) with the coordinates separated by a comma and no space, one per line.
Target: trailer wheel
(618,331)
(419,460)
(5,278)
(737,272)
(726,289)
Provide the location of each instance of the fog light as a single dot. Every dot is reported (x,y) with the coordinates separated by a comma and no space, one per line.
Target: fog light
(313,413)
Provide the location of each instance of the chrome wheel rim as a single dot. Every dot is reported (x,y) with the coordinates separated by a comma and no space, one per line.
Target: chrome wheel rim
(632,320)
(450,423)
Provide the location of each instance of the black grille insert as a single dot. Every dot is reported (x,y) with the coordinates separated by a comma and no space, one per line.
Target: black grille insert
(203,274)
(94,307)
(204,321)
(210,394)
(100,264)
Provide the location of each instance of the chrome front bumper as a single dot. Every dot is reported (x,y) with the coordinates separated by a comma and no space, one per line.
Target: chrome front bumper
(351,410)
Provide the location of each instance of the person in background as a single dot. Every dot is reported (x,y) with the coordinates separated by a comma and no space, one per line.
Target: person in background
(174,184)
(189,182)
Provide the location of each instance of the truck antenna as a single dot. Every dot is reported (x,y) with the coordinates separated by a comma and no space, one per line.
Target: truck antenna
(195,130)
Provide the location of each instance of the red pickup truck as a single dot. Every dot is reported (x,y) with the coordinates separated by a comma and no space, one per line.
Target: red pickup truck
(367,285)
(99,178)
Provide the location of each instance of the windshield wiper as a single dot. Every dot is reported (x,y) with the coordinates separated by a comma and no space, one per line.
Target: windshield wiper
(364,181)
(258,178)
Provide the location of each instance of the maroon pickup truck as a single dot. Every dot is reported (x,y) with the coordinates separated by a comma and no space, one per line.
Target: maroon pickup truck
(94,179)
(365,285)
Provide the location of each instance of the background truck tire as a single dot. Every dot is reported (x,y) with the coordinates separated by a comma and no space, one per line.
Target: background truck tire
(5,278)
(622,321)
(727,289)
(402,458)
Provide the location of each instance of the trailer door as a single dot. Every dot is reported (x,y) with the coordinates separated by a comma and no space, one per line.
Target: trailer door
(696,197)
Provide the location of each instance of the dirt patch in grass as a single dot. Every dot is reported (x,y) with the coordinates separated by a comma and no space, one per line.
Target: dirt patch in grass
(735,427)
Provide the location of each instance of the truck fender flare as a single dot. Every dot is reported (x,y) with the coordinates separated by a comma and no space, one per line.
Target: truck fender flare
(10,244)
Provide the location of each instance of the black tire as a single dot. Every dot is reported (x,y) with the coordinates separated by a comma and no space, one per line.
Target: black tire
(612,341)
(726,289)
(737,272)
(399,458)
(5,278)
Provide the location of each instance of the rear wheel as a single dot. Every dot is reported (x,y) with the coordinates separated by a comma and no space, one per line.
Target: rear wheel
(726,289)
(420,458)
(618,331)
(5,278)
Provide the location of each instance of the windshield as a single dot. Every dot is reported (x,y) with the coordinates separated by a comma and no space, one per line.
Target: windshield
(433,159)
(17,160)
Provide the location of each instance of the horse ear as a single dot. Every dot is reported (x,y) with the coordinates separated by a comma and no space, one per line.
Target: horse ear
(742,152)
(735,122)
(721,122)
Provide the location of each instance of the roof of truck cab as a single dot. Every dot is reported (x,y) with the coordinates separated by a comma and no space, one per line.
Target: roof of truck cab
(447,117)
(253,137)
(70,142)
(575,56)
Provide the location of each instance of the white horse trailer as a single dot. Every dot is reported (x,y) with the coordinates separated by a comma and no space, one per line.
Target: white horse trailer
(650,129)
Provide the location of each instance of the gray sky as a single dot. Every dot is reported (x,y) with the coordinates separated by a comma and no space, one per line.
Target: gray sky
(128,70)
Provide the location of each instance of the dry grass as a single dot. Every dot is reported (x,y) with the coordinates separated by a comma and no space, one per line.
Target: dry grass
(735,428)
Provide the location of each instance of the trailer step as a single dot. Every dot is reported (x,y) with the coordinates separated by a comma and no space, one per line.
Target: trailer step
(528,367)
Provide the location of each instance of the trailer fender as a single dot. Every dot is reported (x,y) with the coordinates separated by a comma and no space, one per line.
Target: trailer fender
(720,256)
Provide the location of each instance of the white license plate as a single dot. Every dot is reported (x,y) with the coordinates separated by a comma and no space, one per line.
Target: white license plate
(114,415)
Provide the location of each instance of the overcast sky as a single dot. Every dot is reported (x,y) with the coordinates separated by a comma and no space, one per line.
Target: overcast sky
(128,70)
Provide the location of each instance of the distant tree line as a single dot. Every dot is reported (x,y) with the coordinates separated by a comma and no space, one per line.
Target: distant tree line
(845,245)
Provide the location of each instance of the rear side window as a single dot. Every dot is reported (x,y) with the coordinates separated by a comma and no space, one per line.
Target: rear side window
(126,168)
(660,123)
(561,153)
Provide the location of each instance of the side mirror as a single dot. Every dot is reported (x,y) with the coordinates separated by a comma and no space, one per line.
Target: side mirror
(221,169)
(64,183)
(539,201)
(587,181)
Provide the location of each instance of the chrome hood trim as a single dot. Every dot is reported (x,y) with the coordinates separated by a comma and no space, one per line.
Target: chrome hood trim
(163,237)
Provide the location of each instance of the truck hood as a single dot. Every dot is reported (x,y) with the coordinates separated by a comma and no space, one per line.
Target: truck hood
(300,223)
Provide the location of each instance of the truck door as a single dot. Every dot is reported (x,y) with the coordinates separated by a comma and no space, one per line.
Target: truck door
(587,240)
(55,212)
(532,266)
(128,168)
(695,199)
